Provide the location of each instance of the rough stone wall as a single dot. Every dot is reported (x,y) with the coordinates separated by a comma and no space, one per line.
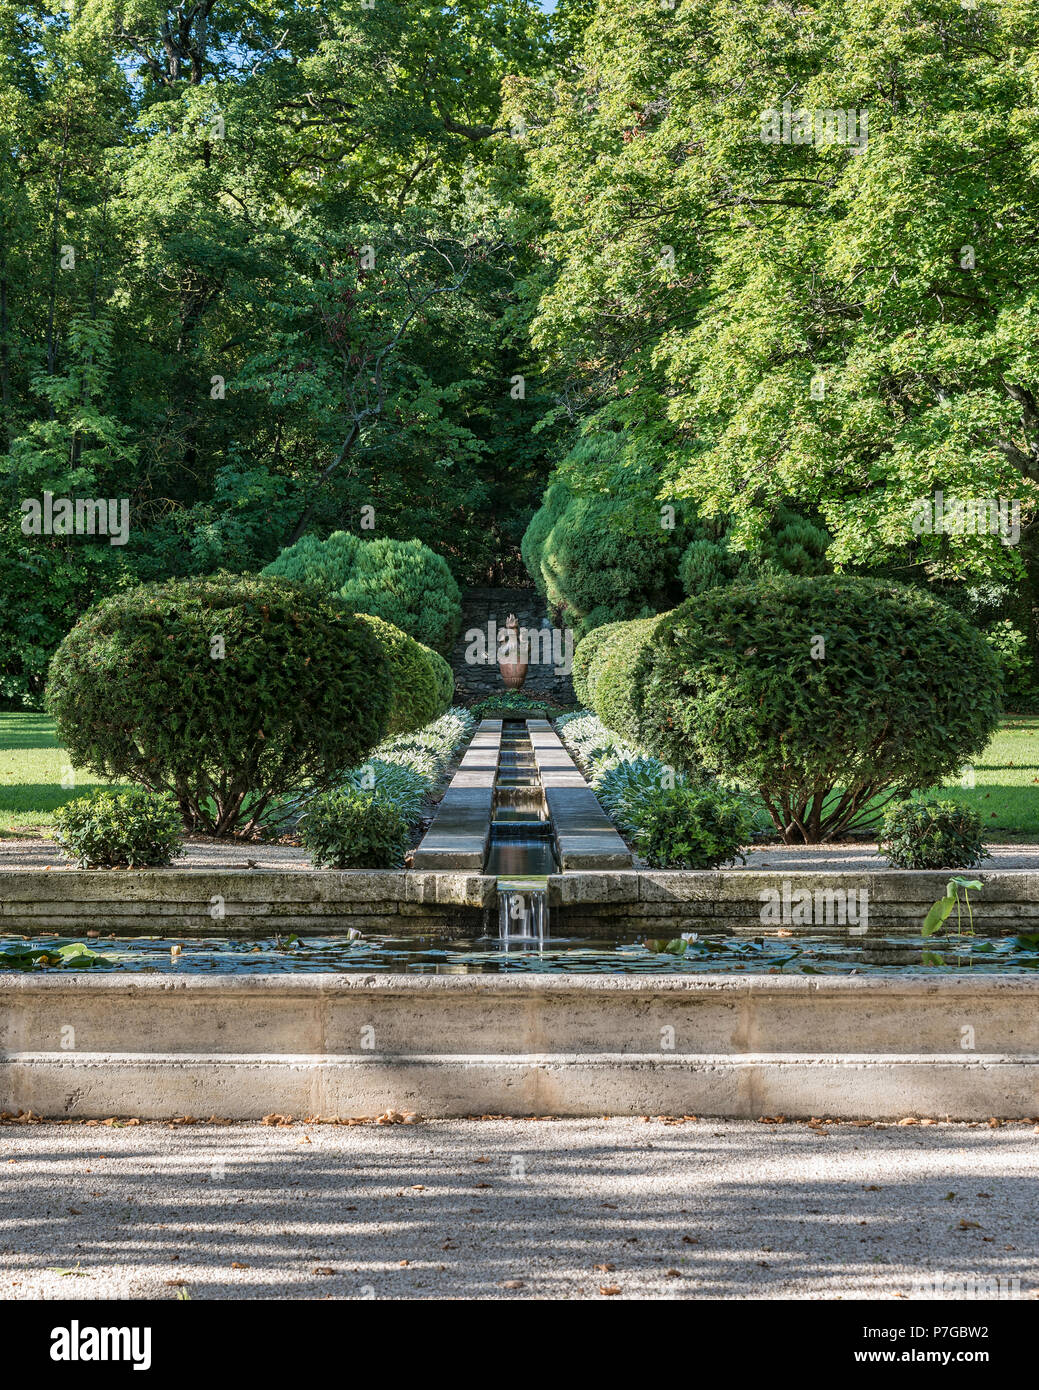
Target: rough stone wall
(475,681)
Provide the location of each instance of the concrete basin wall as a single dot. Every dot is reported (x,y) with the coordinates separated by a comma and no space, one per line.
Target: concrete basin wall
(964,1047)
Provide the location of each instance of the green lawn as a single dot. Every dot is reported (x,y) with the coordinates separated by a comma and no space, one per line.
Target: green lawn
(1006,777)
(1006,789)
(32,765)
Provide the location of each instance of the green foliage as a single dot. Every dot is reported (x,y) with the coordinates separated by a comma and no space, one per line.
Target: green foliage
(687,827)
(597,548)
(416,677)
(624,787)
(791,545)
(903,693)
(932,835)
(69,955)
(444,679)
(403,770)
(216,348)
(130,828)
(403,582)
(509,703)
(1010,645)
(585,666)
(940,911)
(844,329)
(590,741)
(616,678)
(402,784)
(351,829)
(226,692)
(707,565)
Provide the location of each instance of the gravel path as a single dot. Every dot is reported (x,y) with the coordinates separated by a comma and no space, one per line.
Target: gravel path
(514,1209)
(42,854)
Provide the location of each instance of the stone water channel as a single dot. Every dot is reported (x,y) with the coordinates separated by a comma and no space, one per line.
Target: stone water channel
(520,806)
(520,852)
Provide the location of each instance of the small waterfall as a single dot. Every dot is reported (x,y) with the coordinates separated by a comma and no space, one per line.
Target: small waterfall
(521,851)
(522,910)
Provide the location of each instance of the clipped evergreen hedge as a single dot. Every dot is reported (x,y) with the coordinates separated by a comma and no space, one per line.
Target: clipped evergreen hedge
(417,683)
(403,582)
(224,691)
(585,665)
(617,683)
(902,693)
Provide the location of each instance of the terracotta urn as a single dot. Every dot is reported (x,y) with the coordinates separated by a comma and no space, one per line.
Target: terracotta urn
(513,668)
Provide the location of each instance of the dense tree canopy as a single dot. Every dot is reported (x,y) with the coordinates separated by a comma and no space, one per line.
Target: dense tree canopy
(270,270)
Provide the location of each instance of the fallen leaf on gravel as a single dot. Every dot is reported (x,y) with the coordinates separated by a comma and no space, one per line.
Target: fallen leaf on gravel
(481,1159)
(514,1284)
(237,1264)
(909,1120)
(323,1269)
(994,1123)
(610,1206)
(604,1269)
(402,1264)
(969,1225)
(872,1188)
(75,1211)
(673,1274)
(176,1283)
(280,1120)
(691,1240)
(608,1290)
(481,1184)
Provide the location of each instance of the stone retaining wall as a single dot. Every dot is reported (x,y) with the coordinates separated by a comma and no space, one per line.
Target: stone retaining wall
(341,1045)
(440,903)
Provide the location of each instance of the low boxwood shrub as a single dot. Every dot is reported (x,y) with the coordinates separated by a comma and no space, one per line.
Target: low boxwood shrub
(691,827)
(227,692)
(351,829)
(403,582)
(823,693)
(932,835)
(416,683)
(106,829)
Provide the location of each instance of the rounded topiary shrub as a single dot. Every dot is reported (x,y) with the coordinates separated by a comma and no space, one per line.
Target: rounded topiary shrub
(932,835)
(225,691)
(823,693)
(352,829)
(130,828)
(601,547)
(618,686)
(403,582)
(445,680)
(416,681)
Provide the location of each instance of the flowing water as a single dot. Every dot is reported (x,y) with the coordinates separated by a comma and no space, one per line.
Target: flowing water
(521,852)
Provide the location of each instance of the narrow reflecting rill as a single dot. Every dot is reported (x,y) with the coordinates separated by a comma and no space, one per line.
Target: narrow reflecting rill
(521,851)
